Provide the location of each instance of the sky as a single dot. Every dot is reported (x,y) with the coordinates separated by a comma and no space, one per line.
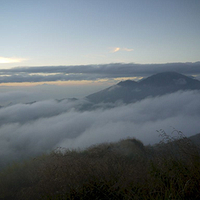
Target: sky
(66,32)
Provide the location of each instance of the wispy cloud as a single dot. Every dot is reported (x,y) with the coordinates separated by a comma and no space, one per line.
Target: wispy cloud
(126,49)
(116,49)
(11,60)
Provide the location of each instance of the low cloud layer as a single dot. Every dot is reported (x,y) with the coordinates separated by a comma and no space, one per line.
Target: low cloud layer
(32,129)
(93,72)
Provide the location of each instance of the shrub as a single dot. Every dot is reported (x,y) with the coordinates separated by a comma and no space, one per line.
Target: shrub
(123,170)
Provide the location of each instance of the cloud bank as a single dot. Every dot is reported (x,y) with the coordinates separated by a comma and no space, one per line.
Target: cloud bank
(32,129)
(93,72)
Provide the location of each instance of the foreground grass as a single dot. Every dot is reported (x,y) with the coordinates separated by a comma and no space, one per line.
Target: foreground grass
(123,170)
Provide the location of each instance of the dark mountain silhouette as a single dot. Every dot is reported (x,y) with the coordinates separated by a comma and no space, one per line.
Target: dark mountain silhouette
(195,139)
(156,85)
(167,79)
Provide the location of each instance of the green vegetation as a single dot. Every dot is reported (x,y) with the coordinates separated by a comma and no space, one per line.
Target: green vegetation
(123,170)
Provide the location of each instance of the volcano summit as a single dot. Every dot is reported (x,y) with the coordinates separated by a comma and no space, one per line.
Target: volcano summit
(156,85)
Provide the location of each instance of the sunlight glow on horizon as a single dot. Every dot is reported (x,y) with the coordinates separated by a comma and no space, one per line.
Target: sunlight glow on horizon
(108,82)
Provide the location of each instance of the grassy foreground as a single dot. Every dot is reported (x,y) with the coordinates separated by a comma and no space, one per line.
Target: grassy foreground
(123,170)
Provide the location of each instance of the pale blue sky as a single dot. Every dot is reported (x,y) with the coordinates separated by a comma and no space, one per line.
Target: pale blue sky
(81,32)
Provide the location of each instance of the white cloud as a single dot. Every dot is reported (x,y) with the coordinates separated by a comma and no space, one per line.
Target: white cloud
(116,49)
(126,49)
(11,60)
(29,130)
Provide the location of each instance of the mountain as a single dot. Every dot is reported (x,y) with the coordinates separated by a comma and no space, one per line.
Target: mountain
(174,79)
(195,139)
(156,85)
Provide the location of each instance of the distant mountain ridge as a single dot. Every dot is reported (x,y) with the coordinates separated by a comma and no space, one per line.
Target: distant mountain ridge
(156,85)
(170,79)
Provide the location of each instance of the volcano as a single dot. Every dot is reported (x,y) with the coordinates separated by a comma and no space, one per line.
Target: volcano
(130,91)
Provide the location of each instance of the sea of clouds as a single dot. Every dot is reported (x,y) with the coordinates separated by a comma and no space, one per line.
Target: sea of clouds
(28,130)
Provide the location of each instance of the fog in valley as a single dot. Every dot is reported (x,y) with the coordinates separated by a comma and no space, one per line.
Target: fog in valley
(28,130)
